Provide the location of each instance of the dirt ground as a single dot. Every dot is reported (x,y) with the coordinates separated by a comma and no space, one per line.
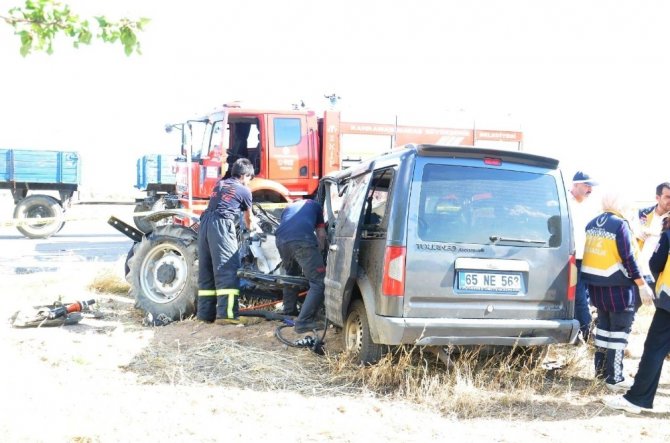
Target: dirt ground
(111,379)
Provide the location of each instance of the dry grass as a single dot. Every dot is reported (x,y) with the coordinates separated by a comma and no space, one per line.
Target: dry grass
(474,384)
(107,281)
(223,362)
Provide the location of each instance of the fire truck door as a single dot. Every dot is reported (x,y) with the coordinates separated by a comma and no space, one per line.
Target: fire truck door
(288,148)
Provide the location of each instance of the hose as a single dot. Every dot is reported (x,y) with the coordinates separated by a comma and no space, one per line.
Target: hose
(268,315)
(315,344)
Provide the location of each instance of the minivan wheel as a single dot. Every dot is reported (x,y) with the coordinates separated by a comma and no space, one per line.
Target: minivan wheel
(357,338)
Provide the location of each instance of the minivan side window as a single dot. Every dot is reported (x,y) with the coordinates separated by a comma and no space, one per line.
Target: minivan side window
(460,204)
(377,198)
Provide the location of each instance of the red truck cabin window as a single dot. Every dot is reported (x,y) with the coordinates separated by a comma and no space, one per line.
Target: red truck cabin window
(287,132)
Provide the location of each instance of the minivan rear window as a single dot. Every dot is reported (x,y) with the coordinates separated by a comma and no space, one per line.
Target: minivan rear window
(462,204)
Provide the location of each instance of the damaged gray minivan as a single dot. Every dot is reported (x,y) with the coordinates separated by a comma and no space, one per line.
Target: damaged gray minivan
(437,246)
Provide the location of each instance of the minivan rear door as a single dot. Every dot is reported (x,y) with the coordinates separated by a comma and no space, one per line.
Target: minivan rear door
(342,260)
(487,241)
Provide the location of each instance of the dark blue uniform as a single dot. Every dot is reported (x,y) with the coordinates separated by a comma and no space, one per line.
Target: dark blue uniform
(299,221)
(298,247)
(657,343)
(218,284)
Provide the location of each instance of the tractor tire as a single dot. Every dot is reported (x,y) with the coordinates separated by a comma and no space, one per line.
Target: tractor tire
(163,272)
(357,338)
(126,265)
(39,206)
(142,224)
(148,226)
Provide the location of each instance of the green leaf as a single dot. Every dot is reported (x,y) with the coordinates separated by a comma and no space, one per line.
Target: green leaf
(142,22)
(26,45)
(85,37)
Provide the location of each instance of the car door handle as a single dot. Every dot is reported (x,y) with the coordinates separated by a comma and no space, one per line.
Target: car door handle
(332,247)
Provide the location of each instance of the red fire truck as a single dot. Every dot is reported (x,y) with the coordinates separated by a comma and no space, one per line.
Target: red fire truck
(292,150)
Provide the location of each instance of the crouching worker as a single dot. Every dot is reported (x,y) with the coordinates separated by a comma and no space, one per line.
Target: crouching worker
(300,239)
(218,284)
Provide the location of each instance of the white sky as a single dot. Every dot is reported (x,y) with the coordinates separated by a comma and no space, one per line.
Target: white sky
(586,81)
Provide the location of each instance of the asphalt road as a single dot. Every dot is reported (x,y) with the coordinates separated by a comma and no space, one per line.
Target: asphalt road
(86,237)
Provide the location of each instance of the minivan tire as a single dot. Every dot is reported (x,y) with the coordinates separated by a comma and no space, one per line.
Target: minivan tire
(357,338)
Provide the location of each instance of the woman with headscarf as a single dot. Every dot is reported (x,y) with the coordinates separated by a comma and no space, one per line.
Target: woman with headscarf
(612,274)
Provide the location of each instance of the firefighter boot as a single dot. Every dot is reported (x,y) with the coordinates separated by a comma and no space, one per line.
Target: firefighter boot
(233,321)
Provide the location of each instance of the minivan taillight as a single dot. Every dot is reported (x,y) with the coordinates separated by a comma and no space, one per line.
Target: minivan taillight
(393,283)
(572,277)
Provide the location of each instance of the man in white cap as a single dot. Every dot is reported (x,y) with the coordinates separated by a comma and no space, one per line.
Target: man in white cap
(582,213)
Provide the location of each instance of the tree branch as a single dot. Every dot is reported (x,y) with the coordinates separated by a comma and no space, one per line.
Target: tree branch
(39,22)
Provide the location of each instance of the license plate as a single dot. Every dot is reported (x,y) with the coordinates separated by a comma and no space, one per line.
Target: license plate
(489,281)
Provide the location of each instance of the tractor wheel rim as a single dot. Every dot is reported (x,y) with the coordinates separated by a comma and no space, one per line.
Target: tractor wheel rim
(161,256)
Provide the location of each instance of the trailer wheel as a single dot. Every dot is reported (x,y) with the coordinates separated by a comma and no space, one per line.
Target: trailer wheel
(163,272)
(35,207)
(357,338)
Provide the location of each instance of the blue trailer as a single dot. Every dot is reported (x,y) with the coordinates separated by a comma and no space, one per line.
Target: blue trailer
(25,171)
(155,176)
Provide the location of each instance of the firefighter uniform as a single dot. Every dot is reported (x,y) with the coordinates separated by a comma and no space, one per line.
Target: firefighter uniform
(218,255)
(298,245)
(609,269)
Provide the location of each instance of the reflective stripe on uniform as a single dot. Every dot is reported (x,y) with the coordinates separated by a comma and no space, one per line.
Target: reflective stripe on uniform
(604,272)
(601,332)
(610,334)
(610,339)
(609,345)
(621,334)
(206,292)
(231,293)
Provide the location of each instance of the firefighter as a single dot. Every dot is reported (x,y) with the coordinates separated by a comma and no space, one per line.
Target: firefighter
(218,284)
(301,239)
